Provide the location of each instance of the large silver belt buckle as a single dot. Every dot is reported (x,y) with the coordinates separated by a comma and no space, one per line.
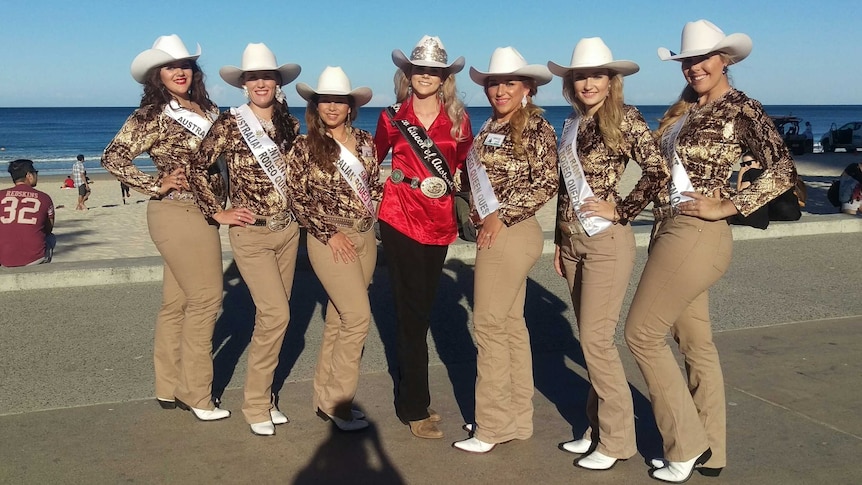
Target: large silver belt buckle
(433,187)
(364,224)
(279,222)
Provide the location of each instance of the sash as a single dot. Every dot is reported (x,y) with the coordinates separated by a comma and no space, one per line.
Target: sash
(424,147)
(355,174)
(574,178)
(191,121)
(481,191)
(262,147)
(679,181)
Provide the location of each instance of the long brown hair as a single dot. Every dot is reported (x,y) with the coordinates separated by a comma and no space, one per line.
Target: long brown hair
(518,121)
(323,150)
(610,113)
(687,99)
(156,94)
(452,104)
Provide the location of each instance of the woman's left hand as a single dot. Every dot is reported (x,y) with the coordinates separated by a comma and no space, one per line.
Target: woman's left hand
(593,206)
(491,226)
(707,208)
(342,248)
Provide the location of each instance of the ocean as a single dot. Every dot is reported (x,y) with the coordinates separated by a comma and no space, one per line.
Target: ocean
(53,137)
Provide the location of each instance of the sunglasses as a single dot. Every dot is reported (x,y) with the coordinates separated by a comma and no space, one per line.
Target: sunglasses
(746,163)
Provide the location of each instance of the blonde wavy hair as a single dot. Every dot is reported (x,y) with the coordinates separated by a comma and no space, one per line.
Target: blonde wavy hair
(518,121)
(452,104)
(687,99)
(609,114)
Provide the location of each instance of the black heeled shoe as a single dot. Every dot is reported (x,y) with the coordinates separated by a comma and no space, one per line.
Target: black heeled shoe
(709,472)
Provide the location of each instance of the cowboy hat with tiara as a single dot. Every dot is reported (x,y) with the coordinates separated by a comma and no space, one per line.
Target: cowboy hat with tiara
(508,61)
(333,81)
(429,52)
(258,57)
(592,53)
(166,49)
(703,37)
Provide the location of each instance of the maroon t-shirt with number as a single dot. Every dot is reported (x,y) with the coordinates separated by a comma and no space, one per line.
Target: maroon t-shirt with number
(24,213)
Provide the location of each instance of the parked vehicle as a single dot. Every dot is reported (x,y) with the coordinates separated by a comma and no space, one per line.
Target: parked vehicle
(849,137)
(788,126)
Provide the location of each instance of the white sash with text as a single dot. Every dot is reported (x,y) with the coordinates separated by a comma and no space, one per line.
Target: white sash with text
(196,124)
(574,178)
(679,181)
(355,174)
(481,191)
(262,147)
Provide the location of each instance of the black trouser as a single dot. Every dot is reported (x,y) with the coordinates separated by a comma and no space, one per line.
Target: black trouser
(414,271)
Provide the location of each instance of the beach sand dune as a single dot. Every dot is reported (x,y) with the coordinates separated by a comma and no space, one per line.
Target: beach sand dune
(111,230)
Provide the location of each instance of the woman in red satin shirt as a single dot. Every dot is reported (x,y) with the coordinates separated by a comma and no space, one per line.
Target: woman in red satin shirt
(417,215)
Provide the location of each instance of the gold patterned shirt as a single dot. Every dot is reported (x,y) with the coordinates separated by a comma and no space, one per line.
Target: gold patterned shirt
(522,185)
(169,145)
(250,187)
(714,138)
(604,170)
(316,193)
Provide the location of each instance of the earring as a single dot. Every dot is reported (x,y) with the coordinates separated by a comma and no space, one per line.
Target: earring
(440,96)
(524,102)
(409,91)
(279,94)
(724,70)
(245,92)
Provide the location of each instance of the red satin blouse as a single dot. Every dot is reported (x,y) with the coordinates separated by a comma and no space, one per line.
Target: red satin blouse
(421,218)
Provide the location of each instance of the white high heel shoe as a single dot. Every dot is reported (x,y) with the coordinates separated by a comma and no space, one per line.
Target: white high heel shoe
(596,461)
(265,428)
(680,471)
(205,414)
(580,446)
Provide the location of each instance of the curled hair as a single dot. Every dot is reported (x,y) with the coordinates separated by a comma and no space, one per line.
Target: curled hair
(323,150)
(518,121)
(156,94)
(452,104)
(687,99)
(610,113)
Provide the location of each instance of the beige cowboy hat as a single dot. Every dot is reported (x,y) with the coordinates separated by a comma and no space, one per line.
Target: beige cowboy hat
(166,49)
(333,81)
(508,61)
(429,52)
(258,57)
(592,53)
(702,37)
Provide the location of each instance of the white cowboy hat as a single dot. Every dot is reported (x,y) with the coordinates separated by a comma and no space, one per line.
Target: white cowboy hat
(702,37)
(334,81)
(258,57)
(167,48)
(429,52)
(592,53)
(508,61)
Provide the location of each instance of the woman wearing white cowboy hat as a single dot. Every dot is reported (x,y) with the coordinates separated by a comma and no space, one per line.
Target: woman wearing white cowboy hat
(335,183)
(701,137)
(595,246)
(513,173)
(253,139)
(417,212)
(174,115)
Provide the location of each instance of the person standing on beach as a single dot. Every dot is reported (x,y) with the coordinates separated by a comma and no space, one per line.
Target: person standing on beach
(513,173)
(594,244)
(79,176)
(175,114)
(417,213)
(701,137)
(26,219)
(253,139)
(335,184)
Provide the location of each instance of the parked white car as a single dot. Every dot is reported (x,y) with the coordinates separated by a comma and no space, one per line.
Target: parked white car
(848,137)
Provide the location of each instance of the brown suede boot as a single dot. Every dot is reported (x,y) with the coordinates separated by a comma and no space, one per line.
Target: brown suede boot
(434,416)
(425,428)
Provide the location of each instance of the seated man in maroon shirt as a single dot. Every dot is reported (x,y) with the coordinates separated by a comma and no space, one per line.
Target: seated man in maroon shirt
(26,219)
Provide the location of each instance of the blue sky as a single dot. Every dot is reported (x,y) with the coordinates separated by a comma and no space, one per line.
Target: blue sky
(60,53)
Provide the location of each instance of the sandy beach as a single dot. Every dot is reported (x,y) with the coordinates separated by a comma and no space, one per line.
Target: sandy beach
(110,230)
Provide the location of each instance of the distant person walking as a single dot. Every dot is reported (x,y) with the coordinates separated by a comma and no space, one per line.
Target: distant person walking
(79,176)
(26,219)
